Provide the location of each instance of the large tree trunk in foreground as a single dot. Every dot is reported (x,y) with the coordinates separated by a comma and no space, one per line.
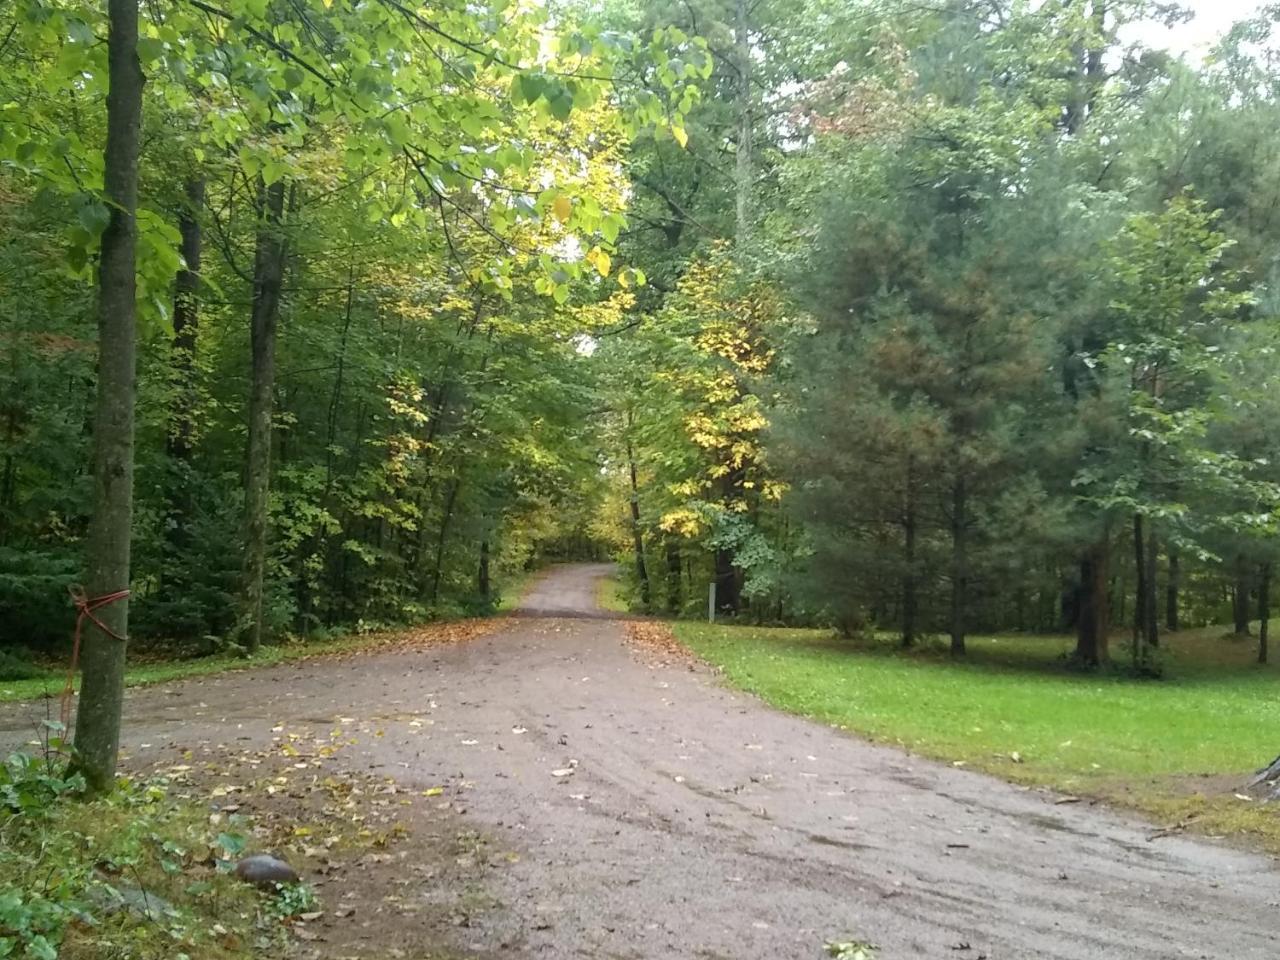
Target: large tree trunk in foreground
(97,733)
(1171,592)
(268,280)
(1093,622)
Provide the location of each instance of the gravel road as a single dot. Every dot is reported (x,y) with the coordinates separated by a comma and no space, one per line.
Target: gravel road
(654,813)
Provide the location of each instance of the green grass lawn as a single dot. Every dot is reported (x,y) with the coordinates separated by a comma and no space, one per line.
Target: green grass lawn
(141,674)
(1175,748)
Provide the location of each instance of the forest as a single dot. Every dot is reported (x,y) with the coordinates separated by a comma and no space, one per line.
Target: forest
(320,317)
(412,381)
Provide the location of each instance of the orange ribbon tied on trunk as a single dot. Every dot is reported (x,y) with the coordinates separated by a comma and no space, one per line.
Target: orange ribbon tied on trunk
(85,607)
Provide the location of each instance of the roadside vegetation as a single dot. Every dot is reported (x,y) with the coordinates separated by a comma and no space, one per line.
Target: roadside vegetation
(141,873)
(49,682)
(611,595)
(515,587)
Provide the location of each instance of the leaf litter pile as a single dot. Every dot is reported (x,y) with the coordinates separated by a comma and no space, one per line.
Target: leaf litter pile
(654,644)
(413,638)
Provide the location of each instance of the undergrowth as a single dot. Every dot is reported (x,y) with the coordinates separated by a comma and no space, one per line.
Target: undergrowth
(136,874)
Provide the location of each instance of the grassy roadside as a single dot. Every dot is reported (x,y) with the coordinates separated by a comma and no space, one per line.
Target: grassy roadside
(512,590)
(146,673)
(611,595)
(1177,750)
(151,672)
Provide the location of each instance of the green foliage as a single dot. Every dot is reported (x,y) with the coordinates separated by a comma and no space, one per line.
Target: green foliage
(17,665)
(33,595)
(292,899)
(850,949)
(429,393)
(1013,347)
(30,786)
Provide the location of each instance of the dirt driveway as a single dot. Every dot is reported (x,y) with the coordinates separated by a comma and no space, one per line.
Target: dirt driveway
(649,812)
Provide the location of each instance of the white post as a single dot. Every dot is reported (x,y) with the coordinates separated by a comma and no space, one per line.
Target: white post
(711,603)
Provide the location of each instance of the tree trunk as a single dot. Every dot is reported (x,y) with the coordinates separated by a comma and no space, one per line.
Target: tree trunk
(482,577)
(186,324)
(959,565)
(743,173)
(1140,595)
(1171,592)
(450,501)
(909,601)
(728,593)
(673,576)
(727,599)
(637,533)
(1264,609)
(335,398)
(1090,71)
(97,732)
(9,475)
(268,280)
(1240,598)
(1092,622)
(1150,620)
